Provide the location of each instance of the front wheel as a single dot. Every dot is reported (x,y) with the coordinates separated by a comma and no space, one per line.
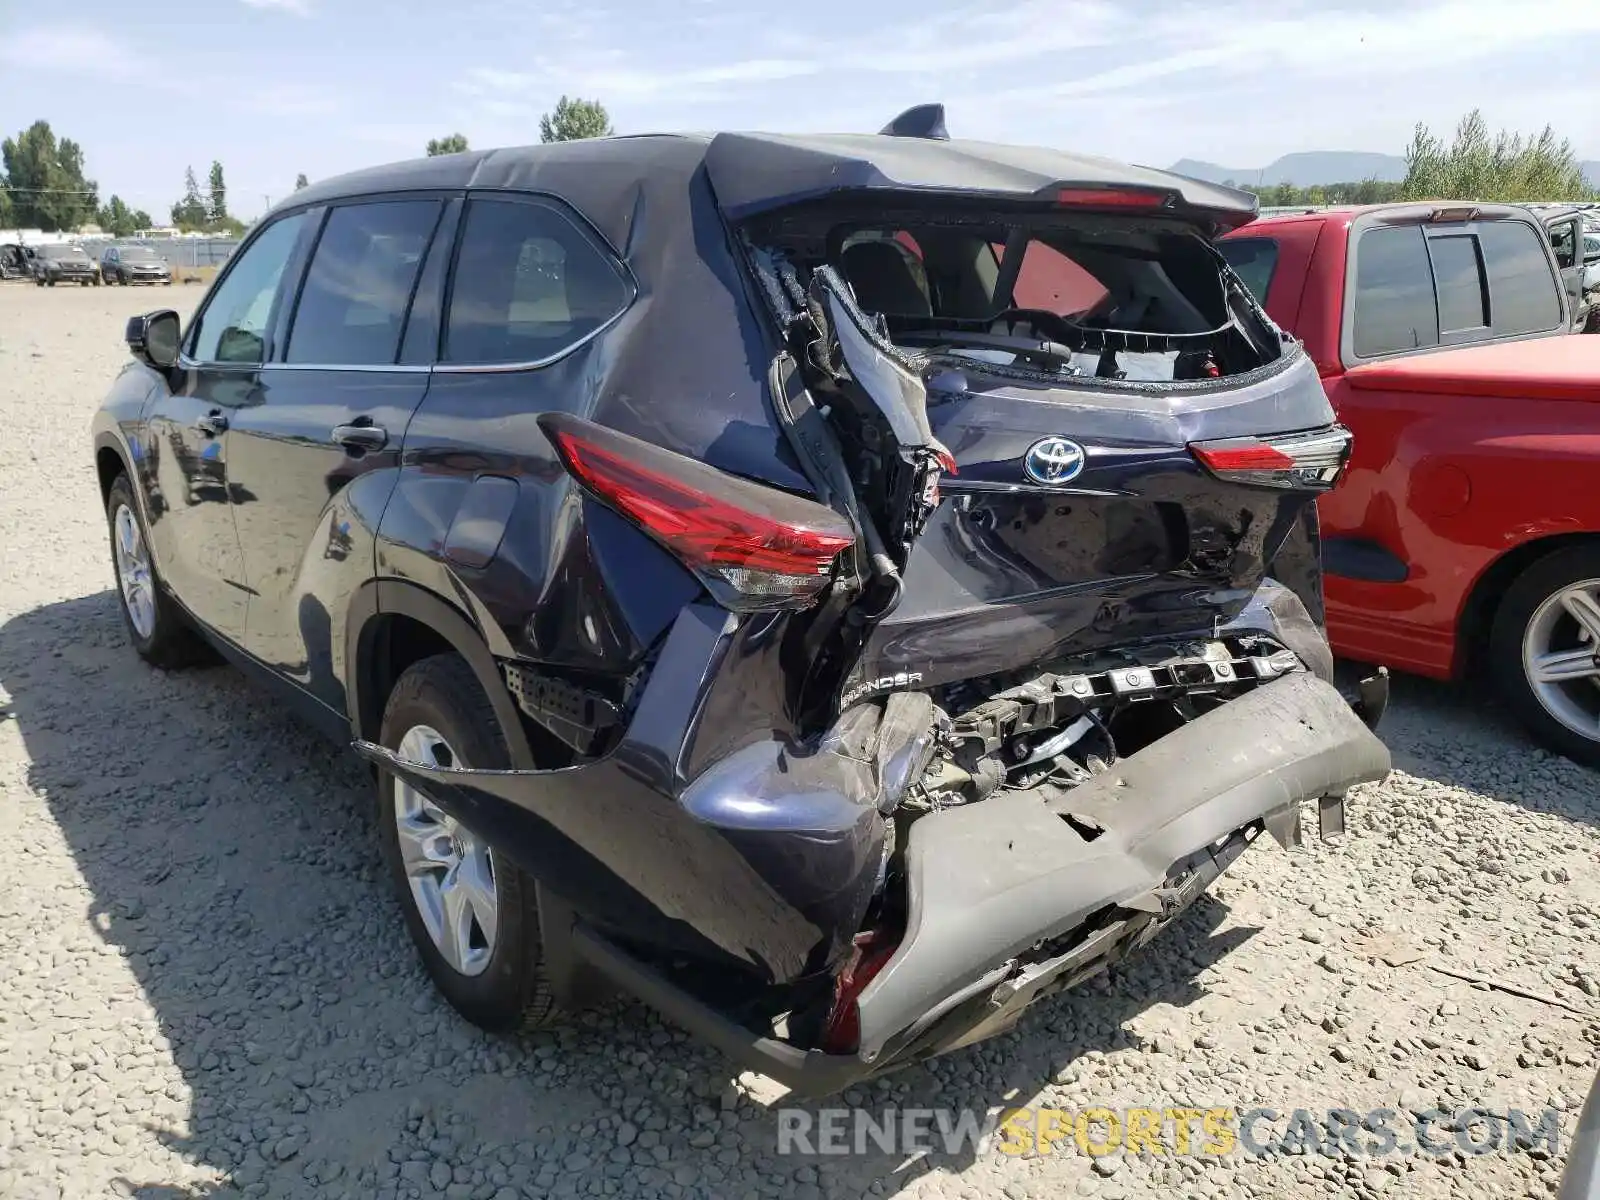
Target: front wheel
(1545,651)
(155,625)
(472,914)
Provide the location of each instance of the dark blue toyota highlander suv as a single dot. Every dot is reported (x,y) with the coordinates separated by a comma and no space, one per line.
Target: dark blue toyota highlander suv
(841,589)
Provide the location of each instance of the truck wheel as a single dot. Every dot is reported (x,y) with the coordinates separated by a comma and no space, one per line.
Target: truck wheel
(1545,651)
(156,625)
(473,915)
(52,283)
(38,283)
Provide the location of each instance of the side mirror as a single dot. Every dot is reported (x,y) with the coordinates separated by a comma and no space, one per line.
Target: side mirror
(153,338)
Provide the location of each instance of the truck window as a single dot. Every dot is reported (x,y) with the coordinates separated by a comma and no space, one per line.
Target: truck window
(1458,281)
(1395,307)
(1524,295)
(1253,260)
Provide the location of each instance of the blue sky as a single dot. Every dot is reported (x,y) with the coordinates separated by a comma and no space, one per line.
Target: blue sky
(275,87)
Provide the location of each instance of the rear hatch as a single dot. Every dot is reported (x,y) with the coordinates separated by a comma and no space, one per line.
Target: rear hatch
(1065,422)
(1143,542)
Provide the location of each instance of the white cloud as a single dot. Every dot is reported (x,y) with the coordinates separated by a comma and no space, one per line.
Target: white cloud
(60,48)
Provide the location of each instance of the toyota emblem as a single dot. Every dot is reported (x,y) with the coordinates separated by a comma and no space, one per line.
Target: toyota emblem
(1053,460)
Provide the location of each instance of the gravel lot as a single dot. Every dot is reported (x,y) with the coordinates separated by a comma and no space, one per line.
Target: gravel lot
(208,991)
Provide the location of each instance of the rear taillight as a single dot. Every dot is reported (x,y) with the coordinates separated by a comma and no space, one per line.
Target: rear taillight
(755,547)
(841,1033)
(1298,460)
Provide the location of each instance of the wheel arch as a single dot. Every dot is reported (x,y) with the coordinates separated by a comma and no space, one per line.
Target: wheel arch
(391,624)
(1483,600)
(109,462)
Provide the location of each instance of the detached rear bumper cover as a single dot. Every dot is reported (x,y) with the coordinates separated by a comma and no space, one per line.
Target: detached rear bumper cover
(990,881)
(999,890)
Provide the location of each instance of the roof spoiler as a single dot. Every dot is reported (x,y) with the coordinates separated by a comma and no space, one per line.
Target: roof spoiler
(919,121)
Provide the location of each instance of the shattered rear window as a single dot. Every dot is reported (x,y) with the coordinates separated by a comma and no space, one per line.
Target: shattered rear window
(1038,290)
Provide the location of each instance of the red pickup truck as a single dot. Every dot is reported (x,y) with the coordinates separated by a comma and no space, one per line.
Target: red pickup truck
(1466,531)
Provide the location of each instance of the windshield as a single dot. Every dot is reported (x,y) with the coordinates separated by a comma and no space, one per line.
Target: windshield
(61,252)
(138,254)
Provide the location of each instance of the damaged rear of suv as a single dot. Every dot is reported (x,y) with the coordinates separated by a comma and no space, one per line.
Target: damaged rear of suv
(889,597)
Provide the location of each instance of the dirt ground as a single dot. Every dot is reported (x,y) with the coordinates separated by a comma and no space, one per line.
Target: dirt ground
(206,989)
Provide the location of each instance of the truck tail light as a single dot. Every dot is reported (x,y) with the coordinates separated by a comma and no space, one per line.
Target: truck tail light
(755,547)
(1299,460)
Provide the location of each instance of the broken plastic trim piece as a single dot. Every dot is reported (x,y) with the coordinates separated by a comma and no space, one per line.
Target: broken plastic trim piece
(897,392)
(1374,701)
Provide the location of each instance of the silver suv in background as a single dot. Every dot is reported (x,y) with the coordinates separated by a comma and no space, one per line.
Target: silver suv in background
(134,264)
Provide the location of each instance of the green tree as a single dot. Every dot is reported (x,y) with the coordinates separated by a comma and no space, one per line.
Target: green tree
(217,209)
(190,213)
(8,217)
(301,182)
(46,181)
(574,119)
(142,219)
(455,143)
(1506,167)
(117,219)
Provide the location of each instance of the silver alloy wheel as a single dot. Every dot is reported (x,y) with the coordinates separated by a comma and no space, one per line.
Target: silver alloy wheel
(133,571)
(1561,656)
(450,869)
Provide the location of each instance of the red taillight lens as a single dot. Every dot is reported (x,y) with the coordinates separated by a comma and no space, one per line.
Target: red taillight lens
(756,547)
(1301,460)
(1107,197)
(842,1033)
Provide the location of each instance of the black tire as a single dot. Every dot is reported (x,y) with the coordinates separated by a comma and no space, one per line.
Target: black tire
(1521,602)
(172,643)
(38,283)
(97,281)
(122,280)
(512,992)
(52,283)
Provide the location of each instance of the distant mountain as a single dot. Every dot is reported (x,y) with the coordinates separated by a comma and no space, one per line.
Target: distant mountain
(1305,169)
(1312,167)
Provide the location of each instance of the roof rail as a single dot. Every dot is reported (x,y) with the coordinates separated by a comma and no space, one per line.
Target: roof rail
(919,121)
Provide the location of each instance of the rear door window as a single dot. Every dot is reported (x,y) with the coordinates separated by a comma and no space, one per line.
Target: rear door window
(528,285)
(1459,282)
(1395,308)
(1524,296)
(353,304)
(1254,261)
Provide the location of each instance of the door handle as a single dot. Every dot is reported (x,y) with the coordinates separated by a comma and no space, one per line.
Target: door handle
(212,423)
(361,438)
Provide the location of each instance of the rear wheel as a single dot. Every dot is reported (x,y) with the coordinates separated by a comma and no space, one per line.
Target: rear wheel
(1545,651)
(473,915)
(155,624)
